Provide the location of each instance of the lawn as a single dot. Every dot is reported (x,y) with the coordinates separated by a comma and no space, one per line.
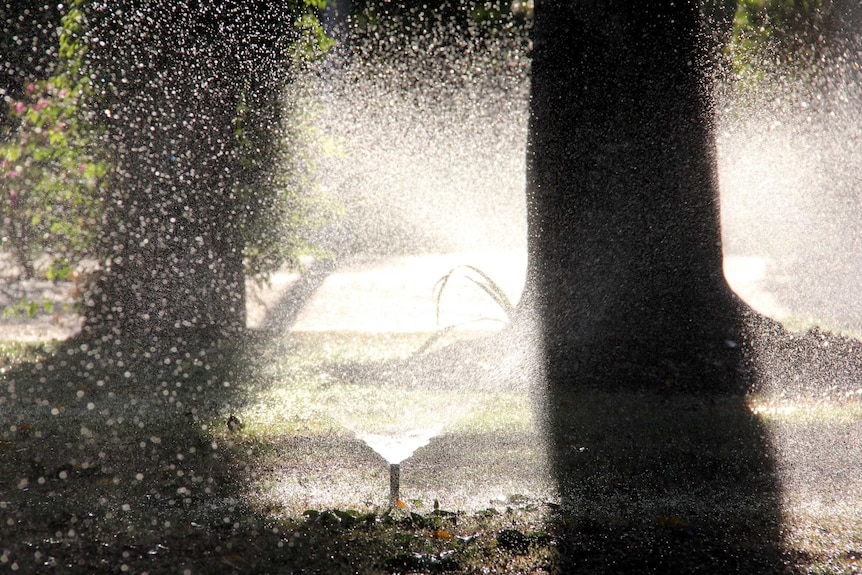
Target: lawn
(172,457)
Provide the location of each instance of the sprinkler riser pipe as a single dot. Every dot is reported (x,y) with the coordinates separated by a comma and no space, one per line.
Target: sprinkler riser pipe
(394,483)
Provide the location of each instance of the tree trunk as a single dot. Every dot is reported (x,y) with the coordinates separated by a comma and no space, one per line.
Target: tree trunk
(175,258)
(625,278)
(625,259)
(175,77)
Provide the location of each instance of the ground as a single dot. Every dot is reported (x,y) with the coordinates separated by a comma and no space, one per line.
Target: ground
(118,457)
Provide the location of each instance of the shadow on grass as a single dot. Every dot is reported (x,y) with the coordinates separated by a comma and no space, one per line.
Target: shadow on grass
(107,456)
(117,457)
(118,454)
(660,464)
(663,468)
(664,484)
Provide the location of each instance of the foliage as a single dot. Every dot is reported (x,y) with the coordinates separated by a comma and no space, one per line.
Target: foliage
(767,33)
(51,171)
(483,281)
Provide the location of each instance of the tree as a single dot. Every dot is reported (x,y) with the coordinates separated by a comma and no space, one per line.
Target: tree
(151,143)
(625,258)
(189,94)
(625,280)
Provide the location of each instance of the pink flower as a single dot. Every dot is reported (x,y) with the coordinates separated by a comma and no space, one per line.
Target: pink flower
(30,87)
(19,107)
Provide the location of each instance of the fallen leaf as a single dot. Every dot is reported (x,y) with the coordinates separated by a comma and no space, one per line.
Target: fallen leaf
(400,504)
(234,424)
(441,534)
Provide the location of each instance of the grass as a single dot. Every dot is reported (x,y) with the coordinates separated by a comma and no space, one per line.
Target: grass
(296,408)
(808,413)
(118,458)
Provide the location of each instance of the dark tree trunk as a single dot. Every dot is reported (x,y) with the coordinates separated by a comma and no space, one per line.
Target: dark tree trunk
(640,333)
(175,77)
(625,257)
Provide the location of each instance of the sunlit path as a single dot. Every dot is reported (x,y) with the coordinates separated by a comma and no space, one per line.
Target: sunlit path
(394,294)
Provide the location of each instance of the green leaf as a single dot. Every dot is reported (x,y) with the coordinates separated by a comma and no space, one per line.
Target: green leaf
(32,308)
(11,153)
(58,272)
(57,138)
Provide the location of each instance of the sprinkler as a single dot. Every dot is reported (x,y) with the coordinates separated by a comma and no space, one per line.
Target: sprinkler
(397,447)
(394,483)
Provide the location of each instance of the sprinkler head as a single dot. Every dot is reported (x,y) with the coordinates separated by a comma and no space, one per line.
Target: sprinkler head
(394,483)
